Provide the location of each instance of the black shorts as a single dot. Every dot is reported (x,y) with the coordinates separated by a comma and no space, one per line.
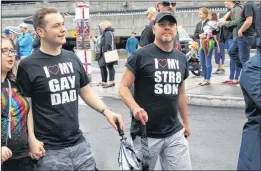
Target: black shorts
(22,164)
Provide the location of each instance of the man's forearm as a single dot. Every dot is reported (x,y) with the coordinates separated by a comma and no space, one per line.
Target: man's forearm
(127,97)
(183,108)
(245,26)
(90,98)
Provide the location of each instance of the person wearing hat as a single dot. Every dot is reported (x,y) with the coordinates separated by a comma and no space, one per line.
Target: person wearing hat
(166,6)
(131,44)
(24,42)
(250,152)
(147,35)
(158,72)
(6,32)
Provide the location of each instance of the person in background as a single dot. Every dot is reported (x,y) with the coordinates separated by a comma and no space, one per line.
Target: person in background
(211,26)
(246,32)
(97,51)
(220,56)
(166,6)
(36,42)
(229,34)
(131,45)
(147,35)
(14,114)
(107,39)
(24,41)
(199,34)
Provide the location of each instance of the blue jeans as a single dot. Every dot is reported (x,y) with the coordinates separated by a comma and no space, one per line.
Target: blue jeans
(258,44)
(234,69)
(221,54)
(244,46)
(206,63)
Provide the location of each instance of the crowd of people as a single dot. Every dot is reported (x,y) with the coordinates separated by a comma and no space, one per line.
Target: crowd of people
(39,107)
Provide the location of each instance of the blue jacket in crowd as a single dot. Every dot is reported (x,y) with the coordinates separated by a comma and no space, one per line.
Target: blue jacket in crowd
(25,44)
(132,44)
(250,81)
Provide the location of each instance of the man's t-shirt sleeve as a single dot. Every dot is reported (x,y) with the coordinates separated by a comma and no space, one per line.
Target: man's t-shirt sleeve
(186,75)
(248,11)
(133,64)
(84,80)
(186,72)
(23,82)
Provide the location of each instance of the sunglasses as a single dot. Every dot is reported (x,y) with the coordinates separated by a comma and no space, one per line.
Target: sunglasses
(167,3)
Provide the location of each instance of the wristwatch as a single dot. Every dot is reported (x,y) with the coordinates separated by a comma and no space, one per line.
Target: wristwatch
(103,110)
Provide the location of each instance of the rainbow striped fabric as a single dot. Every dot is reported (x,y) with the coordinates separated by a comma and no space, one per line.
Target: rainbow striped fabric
(207,45)
(19,111)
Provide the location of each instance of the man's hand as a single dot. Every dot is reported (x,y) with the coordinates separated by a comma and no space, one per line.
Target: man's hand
(140,114)
(222,21)
(240,33)
(36,149)
(6,153)
(187,130)
(113,117)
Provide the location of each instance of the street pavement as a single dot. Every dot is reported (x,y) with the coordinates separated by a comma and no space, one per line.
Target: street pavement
(215,95)
(214,142)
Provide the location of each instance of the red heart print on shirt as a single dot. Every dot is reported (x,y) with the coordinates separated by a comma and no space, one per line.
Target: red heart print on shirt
(53,69)
(163,62)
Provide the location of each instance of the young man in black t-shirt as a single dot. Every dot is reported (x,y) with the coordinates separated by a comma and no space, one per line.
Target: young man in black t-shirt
(51,79)
(240,50)
(158,72)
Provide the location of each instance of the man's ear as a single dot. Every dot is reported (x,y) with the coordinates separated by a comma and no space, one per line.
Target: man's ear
(40,32)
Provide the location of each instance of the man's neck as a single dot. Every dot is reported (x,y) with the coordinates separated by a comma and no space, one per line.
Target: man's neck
(167,47)
(49,49)
(3,76)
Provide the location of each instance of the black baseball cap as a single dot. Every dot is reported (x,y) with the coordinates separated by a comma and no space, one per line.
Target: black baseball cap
(165,15)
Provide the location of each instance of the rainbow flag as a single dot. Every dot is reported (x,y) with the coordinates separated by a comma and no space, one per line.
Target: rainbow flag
(207,46)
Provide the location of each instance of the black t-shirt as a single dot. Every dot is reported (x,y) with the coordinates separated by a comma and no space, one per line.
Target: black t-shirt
(147,35)
(249,10)
(158,77)
(53,83)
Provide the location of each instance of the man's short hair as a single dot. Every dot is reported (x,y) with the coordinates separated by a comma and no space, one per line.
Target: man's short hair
(38,19)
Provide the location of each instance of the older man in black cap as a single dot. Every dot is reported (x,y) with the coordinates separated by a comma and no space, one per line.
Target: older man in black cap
(158,72)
